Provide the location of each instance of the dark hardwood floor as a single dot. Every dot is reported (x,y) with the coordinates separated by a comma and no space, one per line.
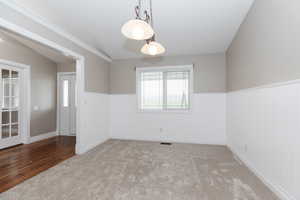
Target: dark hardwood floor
(25,161)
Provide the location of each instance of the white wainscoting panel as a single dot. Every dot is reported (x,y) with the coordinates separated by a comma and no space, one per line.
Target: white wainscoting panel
(263,129)
(205,124)
(95,121)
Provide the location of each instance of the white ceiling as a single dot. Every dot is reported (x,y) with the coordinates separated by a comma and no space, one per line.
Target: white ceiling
(51,54)
(182,26)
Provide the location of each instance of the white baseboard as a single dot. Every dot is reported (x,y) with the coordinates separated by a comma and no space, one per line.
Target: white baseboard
(82,150)
(279,191)
(167,140)
(42,137)
(65,134)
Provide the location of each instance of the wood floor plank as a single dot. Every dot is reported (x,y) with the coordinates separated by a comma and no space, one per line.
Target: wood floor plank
(22,162)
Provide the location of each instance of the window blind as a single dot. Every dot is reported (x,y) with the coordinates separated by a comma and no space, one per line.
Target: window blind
(177,90)
(151,90)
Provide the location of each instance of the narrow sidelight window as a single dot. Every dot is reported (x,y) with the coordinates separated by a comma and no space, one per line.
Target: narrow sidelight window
(66,93)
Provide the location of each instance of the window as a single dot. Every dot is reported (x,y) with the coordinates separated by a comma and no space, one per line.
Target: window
(66,93)
(164,88)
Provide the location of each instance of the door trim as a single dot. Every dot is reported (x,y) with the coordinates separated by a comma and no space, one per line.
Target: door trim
(25,113)
(80,73)
(59,74)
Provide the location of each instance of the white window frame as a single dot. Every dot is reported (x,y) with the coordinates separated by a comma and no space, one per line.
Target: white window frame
(139,70)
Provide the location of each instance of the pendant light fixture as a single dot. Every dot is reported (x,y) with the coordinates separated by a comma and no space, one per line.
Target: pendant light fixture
(142,29)
(152,47)
(138,28)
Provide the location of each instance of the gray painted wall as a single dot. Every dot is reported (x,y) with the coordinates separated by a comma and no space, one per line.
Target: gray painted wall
(267,47)
(96,71)
(209,72)
(66,67)
(43,84)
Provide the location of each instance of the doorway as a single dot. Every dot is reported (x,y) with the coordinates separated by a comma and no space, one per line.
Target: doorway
(80,79)
(67,103)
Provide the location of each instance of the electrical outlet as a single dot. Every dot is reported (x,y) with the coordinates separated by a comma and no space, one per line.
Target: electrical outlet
(246,148)
(161,130)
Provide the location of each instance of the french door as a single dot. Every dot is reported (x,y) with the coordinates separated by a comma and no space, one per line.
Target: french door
(67,104)
(10,107)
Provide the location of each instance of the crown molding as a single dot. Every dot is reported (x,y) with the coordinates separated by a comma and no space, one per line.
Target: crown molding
(40,20)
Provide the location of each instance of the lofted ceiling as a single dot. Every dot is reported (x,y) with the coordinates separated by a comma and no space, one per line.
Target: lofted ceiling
(184,27)
(51,54)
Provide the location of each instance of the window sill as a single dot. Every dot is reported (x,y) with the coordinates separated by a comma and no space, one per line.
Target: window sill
(187,111)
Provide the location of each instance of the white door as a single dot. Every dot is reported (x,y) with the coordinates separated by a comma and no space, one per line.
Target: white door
(10,107)
(67,104)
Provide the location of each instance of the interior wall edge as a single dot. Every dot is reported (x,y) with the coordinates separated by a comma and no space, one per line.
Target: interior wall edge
(262,130)
(278,190)
(95,121)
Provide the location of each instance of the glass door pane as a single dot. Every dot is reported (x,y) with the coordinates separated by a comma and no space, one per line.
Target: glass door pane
(5,118)
(14,117)
(10,103)
(5,132)
(14,102)
(15,74)
(14,130)
(5,73)
(5,89)
(15,87)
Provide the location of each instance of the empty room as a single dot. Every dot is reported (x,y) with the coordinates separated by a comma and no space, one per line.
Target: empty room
(149,100)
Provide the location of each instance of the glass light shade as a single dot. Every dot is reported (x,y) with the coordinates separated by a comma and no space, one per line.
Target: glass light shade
(153,48)
(137,30)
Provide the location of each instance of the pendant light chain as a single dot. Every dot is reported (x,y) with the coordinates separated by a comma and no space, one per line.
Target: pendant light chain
(152,22)
(140,7)
(141,28)
(151,14)
(138,10)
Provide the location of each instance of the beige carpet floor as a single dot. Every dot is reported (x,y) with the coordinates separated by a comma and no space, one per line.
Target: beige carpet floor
(131,170)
